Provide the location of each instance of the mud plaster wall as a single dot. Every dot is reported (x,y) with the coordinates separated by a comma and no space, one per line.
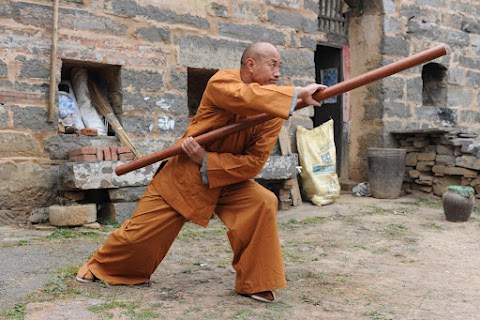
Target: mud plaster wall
(154,43)
(365,110)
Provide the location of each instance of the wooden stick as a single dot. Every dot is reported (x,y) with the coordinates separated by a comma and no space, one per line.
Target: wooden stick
(329,92)
(53,65)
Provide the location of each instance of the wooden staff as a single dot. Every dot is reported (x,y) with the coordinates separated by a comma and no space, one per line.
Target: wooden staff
(329,92)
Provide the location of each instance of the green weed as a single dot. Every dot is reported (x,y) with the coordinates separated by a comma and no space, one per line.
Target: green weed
(66,233)
(243,314)
(375,315)
(17,312)
(132,310)
(433,225)
(429,203)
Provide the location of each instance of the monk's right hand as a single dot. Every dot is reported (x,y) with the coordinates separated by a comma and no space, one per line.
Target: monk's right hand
(305,93)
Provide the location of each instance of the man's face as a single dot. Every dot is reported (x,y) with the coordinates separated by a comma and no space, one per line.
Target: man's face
(266,68)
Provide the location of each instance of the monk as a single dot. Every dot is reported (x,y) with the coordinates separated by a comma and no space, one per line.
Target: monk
(214,178)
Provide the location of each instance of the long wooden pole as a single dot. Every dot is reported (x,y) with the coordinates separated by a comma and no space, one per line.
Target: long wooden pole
(329,92)
(53,65)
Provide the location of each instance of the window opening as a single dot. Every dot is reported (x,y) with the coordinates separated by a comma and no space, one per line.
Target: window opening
(197,82)
(434,79)
(331,17)
(76,111)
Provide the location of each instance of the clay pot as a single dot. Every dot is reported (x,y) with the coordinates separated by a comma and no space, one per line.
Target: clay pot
(458,207)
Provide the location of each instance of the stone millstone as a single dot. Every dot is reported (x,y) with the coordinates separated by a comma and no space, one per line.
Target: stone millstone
(76,215)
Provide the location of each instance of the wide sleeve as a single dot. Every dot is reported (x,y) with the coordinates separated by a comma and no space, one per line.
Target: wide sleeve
(227,91)
(226,168)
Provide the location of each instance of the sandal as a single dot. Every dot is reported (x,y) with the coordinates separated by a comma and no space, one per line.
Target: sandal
(84,275)
(264,296)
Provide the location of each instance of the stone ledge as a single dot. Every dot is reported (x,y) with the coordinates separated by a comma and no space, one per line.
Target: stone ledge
(75,176)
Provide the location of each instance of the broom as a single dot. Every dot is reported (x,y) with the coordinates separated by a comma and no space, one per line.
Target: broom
(103,106)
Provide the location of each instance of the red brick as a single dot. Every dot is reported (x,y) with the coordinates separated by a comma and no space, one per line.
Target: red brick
(125,156)
(86,158)
(99,154)
(106,154)
(113,152)
(123,150)
(89,132)
(84,150)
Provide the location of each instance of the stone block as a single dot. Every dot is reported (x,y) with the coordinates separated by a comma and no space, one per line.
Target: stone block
(293,20)
(75,215)
(456,171)
(118,212)
(425,165)
(74,176)
(411,159)
(445,160)
(440,184)
(38,215)
(414,173)
(279,167)
(126,194)
(33,118)
(424,182)
(26,185)
(439,170)
(475,182)
(196,52)
(156,34)
(146,80)
(252,33)
(16,144)
(13,217)
(470,162)
(426,156)
(170,17)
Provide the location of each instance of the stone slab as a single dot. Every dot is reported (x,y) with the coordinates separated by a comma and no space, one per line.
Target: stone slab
(279,167)
(101,175)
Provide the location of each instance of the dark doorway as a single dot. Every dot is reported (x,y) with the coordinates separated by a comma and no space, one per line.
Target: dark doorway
(328,69)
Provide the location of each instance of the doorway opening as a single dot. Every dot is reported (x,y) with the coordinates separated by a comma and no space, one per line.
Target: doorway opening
(328,69)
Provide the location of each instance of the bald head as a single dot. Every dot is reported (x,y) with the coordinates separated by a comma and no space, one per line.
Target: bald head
(260,63)
(256,50)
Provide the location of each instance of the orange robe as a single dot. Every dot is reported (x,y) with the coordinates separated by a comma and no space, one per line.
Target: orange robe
(176,194)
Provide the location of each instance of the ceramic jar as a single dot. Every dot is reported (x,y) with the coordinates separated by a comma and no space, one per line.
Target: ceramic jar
(458,203)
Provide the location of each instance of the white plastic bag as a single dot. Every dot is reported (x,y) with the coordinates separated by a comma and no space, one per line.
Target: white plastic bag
(316,150)
(90,116)
(68,111)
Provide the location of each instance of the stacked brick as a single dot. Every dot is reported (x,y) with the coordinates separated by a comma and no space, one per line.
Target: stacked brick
(87,154)
(436,159)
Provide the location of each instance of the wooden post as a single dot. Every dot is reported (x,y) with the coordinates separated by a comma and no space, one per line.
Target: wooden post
(53,65)
(286,148)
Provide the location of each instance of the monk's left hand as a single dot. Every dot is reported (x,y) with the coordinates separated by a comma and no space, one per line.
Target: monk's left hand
(193,150)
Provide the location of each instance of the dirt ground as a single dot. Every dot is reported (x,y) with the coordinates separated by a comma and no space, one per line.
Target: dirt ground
(359,258)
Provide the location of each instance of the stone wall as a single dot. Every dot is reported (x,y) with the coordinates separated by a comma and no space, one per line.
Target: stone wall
(153,44)
(436,159)
(395,103)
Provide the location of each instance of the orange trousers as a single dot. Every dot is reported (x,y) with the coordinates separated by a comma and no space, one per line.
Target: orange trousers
(133,252)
